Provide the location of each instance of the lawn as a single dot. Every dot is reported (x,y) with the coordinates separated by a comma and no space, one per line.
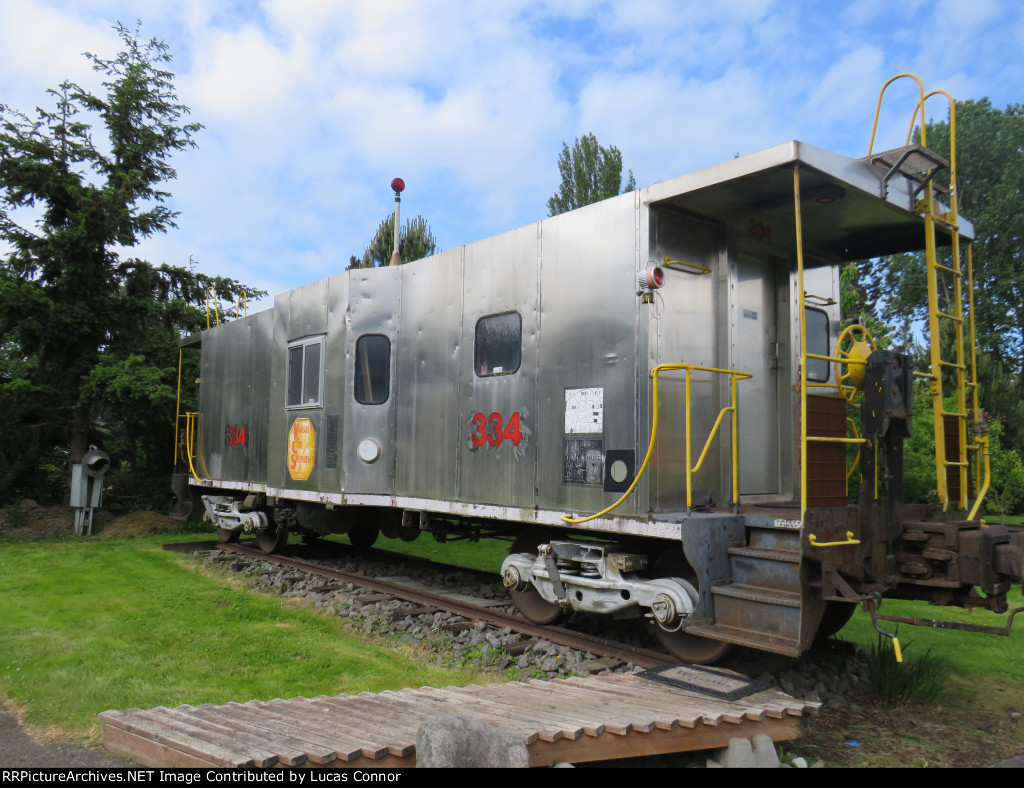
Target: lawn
(88,626)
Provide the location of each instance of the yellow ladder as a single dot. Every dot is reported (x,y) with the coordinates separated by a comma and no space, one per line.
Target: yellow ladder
(921,165)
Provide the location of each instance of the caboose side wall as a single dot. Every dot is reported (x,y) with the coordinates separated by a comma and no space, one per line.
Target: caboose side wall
(500,277)
(234,404)
(429,355)
(593,332)
(686,327)
(298,314)
(572,280)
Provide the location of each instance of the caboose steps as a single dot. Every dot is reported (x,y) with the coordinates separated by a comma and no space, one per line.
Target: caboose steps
(760,567)
(760,605)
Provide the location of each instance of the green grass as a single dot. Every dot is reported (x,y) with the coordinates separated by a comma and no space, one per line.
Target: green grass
(971,653)
(90,626)
(485,555)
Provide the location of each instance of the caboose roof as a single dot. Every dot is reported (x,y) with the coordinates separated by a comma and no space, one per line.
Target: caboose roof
(844,213)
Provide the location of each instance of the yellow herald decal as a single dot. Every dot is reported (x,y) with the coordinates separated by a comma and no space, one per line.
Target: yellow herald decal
(301,449)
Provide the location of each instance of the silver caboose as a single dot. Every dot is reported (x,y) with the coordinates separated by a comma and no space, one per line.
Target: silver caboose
(653,396)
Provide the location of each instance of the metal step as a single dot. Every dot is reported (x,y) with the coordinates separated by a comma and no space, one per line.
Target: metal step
(759,594)
(742,637)
(766,553)
(915,162)
(760,567)
(749,608)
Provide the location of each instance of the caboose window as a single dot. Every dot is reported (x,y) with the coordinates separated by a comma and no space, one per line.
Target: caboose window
(305,371)
(373,369)
(499,344)
(818,342)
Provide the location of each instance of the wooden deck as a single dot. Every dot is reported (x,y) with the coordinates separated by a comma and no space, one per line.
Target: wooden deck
(573,720)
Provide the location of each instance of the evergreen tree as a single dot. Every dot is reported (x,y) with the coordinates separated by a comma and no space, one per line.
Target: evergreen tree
(88,337)
(415,243)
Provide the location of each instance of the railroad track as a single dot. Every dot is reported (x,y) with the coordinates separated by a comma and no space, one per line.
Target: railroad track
(561,636)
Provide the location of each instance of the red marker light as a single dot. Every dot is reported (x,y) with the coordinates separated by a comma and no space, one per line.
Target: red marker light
(398,185)
(653,278)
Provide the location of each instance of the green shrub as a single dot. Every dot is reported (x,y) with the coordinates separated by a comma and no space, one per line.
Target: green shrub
(919,679)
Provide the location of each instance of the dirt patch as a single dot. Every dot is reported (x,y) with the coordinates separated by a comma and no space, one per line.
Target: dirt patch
(28,522)
(140,524)
(18,749)
(872,734)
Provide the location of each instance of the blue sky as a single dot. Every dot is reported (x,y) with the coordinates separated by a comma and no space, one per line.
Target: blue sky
(311,107)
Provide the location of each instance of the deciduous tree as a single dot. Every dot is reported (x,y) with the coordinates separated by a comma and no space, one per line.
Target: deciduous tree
(590,172)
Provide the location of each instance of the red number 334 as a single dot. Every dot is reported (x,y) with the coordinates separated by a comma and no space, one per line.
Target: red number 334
(491,429)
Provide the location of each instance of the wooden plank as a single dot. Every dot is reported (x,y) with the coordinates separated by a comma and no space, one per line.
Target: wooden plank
(286,752)
(657,743)
(668,711)
(160,720)
(148,752)
(485,711)
(601,703)
(446,703)
(655,695)
(263,752)
(540,706)
(621,695)
(576,720)
(143,724)
(352,739)
(273,730)
(753,707)
(311,729)
(399,739)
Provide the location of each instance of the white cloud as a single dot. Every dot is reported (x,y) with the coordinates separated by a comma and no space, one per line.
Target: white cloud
(312,106)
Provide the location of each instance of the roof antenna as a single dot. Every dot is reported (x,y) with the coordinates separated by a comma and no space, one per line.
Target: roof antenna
(399,186)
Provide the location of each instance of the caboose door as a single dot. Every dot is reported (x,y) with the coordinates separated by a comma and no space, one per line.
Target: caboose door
(756,351)
(371,334)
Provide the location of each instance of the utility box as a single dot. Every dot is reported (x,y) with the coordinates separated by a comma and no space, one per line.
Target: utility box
(87,487)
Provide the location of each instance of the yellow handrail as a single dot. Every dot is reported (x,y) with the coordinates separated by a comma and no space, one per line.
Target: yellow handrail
(243,304)
(190,437)
(878,109)
(698,267)
(813,540)
(210,291)
(982,441)
(735,376)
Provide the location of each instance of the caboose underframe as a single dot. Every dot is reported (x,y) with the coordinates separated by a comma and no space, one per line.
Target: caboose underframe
(506,384)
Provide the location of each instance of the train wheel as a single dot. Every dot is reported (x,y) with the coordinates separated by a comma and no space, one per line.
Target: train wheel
(530,603)
(275,537)
(227,536)
(691,649)
(363,536)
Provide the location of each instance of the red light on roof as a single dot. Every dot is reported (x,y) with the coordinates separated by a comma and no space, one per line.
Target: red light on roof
(658,276)
(398,185)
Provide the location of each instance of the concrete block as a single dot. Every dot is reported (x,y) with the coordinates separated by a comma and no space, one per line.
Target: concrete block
(765,754)
(465,742)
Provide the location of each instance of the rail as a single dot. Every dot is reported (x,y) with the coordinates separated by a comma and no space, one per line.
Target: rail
(734,377)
